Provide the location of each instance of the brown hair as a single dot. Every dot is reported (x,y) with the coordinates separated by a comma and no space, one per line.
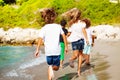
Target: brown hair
(48,15)
(63,22)
(87,21)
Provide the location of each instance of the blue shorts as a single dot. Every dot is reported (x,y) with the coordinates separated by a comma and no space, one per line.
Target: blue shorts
(53,60)
(78,45)
(87,49)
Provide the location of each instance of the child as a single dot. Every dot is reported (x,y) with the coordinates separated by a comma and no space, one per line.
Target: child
(76,36)
(91,38)
(50,34)
(63,23)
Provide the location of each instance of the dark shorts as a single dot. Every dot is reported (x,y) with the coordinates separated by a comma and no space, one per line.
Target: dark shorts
(78,45)
(53,60)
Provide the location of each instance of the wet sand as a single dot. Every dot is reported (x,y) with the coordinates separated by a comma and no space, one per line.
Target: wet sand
(104,66)
(110,51)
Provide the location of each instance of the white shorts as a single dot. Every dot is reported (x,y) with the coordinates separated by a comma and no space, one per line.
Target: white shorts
(87,49)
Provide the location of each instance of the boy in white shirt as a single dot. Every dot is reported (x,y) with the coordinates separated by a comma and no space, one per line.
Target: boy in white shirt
(50,34)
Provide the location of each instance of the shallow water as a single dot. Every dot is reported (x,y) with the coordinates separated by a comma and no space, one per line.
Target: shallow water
(14,58)
(11,55)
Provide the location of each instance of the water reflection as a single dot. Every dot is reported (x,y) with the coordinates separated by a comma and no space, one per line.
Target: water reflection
(91,75)
(101,66)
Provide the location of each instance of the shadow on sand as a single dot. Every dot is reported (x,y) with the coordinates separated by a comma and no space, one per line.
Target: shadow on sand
(67,76)
(85,69)
(91,72)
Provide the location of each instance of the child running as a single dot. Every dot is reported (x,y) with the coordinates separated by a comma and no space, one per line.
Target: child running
(50,34)
(77,33)
(63,24)
(91,37)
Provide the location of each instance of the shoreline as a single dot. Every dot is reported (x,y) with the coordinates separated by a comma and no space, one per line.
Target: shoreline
(104,60)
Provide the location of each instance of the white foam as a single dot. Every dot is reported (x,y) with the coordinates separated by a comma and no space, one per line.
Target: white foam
(20,70)
(12,73)
(33,62)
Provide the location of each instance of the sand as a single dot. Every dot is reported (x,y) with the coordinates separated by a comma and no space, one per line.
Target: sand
(105,57)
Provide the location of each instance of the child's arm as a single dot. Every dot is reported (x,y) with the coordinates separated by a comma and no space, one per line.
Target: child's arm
(38,47)
(93,39)
(85,35)
(65,42)
(68,34)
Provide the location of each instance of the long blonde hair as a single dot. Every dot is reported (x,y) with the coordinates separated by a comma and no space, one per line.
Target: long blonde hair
(75,16)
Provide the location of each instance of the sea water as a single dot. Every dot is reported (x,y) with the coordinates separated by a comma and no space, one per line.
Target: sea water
(18,57)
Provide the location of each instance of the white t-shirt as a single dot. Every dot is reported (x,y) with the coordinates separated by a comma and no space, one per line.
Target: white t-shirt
(76,31)
(51,34)
(89,34)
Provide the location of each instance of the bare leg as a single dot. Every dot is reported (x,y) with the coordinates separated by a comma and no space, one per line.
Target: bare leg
(88,59)
(84,58)
(55,68)
(50,73)
(74,56)
(61,63)
(79,62)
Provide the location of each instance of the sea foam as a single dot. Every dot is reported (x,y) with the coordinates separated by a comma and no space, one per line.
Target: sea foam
(33,62)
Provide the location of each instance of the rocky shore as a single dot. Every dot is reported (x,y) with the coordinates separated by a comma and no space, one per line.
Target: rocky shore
(30,36)
(18,36)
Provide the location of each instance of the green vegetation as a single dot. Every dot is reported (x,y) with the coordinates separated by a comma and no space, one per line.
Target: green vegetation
(24,14)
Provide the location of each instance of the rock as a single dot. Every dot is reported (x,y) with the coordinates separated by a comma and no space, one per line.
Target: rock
(30,36)
(19,35)
(107,32)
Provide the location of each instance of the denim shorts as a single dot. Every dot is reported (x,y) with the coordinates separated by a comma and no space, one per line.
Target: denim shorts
(78,45)
(53,60)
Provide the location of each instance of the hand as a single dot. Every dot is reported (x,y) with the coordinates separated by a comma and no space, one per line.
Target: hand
(37,54)
(87,42)
(92,44)
(66,50)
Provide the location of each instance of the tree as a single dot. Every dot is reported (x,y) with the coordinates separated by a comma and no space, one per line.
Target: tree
(1,2)
(9,1)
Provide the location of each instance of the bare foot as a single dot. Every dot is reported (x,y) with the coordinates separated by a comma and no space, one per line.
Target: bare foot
(61,66)
(78,73)
(71,63)
(88,64)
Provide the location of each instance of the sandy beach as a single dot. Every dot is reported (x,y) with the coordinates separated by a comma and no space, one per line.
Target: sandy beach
(104,66)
